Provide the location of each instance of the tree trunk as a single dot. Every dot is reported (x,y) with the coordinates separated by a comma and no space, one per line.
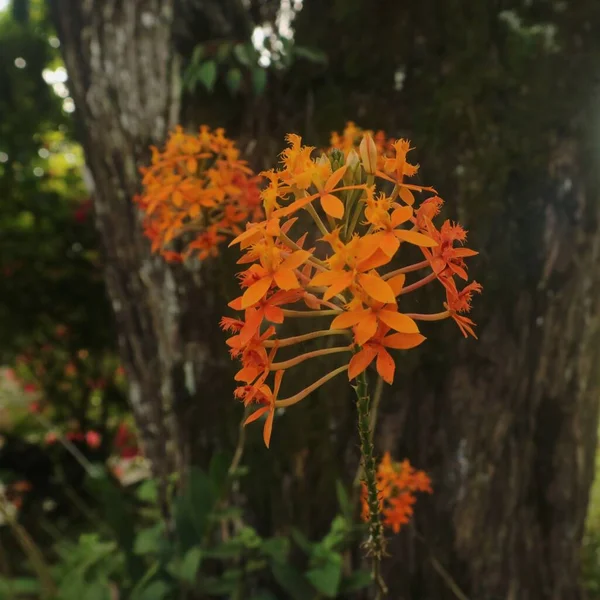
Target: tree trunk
(124,78)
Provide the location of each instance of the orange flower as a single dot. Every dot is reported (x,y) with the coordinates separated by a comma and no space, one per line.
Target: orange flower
(376,348)
(345,277)
(196,191)
(396,484)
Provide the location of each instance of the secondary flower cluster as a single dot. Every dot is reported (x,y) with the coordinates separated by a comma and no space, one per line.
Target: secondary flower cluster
(397,483)
(197,193)
(365,217)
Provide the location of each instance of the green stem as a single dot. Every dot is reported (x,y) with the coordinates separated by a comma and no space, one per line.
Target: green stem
(375,544)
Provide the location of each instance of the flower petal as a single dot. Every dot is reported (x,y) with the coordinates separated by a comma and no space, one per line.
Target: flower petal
(295,259)
(268,428)
(366,329)
(257,414)
(385,365)
(398,321)
(256,291)
(334,178)
(348,319)
(360,361)
(401,215)
(403,341)
(286,279)
(397,283)
(412,237)
(333,206)
(376,287)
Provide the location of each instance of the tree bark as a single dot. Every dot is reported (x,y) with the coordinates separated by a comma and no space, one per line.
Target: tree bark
(124,78)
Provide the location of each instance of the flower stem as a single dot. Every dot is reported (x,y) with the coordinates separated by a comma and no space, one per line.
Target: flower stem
(410,268)
(375,544)
(288,364)
(310,389)
(290,341)
(417,284)
(317,219)
(288,312)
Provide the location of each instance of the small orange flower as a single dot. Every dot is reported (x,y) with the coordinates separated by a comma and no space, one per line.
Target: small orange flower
(396,484)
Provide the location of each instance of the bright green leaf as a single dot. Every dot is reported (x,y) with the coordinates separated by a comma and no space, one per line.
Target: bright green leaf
(207,74)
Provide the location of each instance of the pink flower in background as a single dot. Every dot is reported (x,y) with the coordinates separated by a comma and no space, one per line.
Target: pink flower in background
(34,407)
(125,442)
(10,375)
(93,439)
(51,437)
(81,213)
(30,388)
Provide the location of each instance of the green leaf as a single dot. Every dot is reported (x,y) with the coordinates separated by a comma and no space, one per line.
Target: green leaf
(276,548)
(217,585)
(97,590)
(20,585)
(311,54)
(149,540)
(197,54)
(301,540)
(207,74)
(356,582)
(190,565)
(259,80)
(327,577)
(156,590)
(218,469)
(343,500)
(292,581)
(242,53)
(234,79)
(193,507)
(223,51)
(147,492)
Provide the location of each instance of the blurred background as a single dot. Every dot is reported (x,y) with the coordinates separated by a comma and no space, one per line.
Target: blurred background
(115,383)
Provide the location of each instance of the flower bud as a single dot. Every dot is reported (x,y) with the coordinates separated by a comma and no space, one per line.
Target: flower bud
(368,154)
(353,171)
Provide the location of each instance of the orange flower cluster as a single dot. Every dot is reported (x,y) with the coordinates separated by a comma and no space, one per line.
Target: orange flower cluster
(396,483)
(364,215)
(197,193)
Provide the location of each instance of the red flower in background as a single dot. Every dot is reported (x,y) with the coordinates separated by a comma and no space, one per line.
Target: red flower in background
(125,442)
(82,212)
(93,439)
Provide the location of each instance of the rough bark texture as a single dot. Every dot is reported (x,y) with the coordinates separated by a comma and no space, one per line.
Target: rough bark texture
(124,79)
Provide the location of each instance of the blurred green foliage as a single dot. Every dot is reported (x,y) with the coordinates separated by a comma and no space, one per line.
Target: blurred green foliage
(49,262)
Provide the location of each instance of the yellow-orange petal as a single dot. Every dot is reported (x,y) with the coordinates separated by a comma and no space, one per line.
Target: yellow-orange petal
(401,214)
(412,237)
(360,361)
(295,259)
(334,178)
(332,206)
(339,285)
(397,283)
(286,279)
(348,319)
(403,341)
(268,428)
(366,329)
(324,278)
(398,321)
(385,366)
(376,287)
(389,244)
(256,291)
(407,196)
(257,414)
